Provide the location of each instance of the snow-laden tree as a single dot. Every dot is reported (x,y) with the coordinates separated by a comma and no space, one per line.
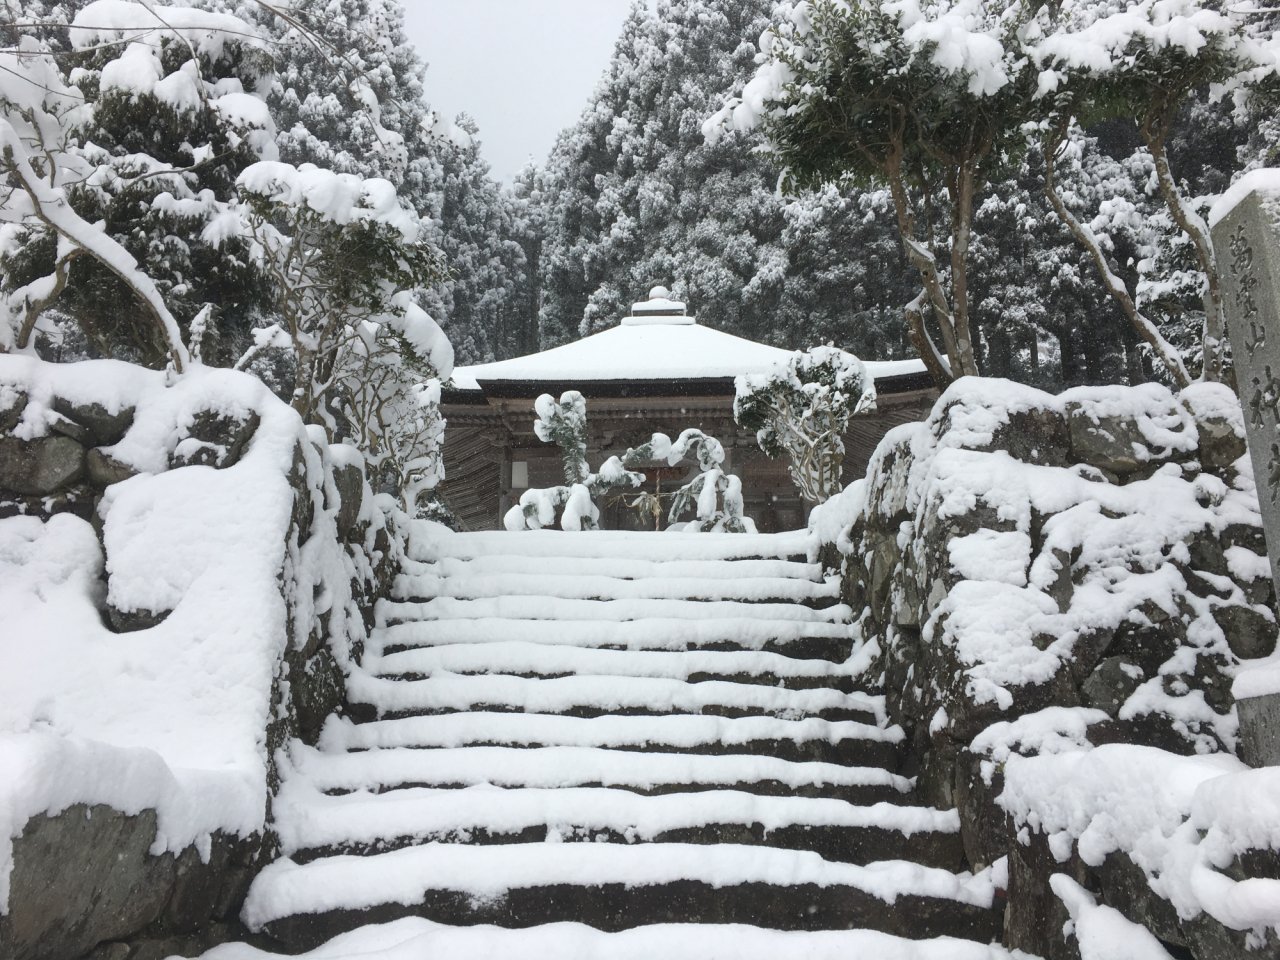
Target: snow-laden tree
(345,259)
(484,302)
(912,97)
(715,496)
(800,410)
(633,195)
(350,96)
(117,148)
(1095,61)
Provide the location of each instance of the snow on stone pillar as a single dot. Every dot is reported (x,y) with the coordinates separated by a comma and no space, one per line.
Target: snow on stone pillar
(1245,226)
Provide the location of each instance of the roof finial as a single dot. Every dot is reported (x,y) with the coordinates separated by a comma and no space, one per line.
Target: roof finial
(659,293)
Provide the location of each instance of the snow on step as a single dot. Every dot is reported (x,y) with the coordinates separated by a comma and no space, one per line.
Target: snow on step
(417,937)
(596,587)
(560,609)
(622,567)
(488,872)
(309,819)
(572,767)
(538,729)
(601,694)
(656,633)
(637,544)
(523,658)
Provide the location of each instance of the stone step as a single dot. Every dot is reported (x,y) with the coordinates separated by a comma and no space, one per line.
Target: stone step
(614,886)
(379,770)
(594,696)
(612,544)
(520,658)
(841,742)
(311,824)
(622,567)
(558,609)
(799,639)
(757,590)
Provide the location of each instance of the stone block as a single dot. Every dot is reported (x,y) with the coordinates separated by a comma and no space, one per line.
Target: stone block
(215,440)
(11,414)
(1106,443)
(42,466)
(104,428)
(105,469)
(1260,730)
(1250,633)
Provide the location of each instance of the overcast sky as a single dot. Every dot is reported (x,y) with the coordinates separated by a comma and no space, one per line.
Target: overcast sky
(522,68)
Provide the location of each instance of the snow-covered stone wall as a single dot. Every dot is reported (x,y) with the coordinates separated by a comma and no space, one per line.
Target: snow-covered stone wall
(1042,576)
(185,572)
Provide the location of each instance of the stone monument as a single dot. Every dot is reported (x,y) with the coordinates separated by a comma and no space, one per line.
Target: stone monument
(1245,225)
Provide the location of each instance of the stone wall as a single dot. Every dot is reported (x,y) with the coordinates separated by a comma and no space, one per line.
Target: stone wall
(1038,571)
(84,880)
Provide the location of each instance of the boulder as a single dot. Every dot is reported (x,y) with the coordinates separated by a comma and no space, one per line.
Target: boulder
(129,621)
(1250,633)
(104,428)
(1220,444)
(11,414)
(215,440)
(85,877)
(1039,436)
(1112,682)
(105,469)
(1105,442)
(42,466)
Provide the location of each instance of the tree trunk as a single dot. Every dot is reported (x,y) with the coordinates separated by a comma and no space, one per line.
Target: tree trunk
(1115,286)
(1154,132)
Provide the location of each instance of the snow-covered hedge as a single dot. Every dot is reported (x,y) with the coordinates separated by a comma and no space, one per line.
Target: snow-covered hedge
(192,599)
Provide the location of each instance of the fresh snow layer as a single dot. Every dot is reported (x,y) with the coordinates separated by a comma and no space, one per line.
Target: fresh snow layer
(1101,932)
(307,819)
(1265,181)
(520,657)
(610,694)
(570,767)
(658,351)
(430,542)
(652,633)
(558,609)
(586,586)
(414,938)
(622,567)
(487,872)
(522,729)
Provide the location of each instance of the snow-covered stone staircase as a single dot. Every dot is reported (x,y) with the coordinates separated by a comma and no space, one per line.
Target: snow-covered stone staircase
(613,728)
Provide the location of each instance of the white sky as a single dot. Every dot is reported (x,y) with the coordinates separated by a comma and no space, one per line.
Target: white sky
(522,68)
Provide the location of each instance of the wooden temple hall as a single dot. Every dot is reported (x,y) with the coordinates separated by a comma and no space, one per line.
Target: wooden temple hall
(659,370)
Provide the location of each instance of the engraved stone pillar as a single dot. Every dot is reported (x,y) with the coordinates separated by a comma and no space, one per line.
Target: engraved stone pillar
(1246,241)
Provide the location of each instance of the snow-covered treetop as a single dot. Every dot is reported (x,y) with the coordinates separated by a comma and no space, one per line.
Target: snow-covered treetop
(958,41)
(338,198)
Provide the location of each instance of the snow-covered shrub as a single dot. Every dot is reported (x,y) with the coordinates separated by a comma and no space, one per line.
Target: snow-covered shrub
(800,410)
(715,495)
(345,259)
(834,86)
(117,152)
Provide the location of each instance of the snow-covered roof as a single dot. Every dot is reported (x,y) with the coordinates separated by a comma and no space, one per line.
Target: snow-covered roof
(652,347)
